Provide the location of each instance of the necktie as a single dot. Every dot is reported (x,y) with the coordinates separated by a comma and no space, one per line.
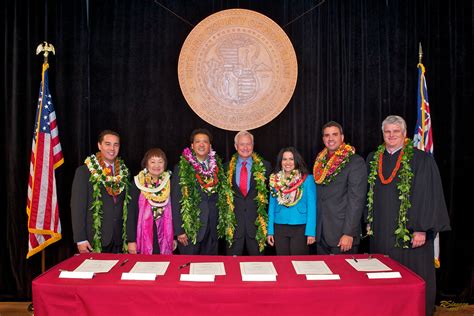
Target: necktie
(112,173)
(243,179)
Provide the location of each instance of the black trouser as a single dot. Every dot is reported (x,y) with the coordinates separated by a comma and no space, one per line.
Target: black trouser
(112,248)
(290,240)
(207,246)
(237,248)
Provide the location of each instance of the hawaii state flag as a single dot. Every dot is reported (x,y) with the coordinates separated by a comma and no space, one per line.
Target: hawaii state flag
(423,138)
(44,227)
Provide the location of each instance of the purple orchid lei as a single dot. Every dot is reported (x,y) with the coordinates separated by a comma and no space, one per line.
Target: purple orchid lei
(191,158)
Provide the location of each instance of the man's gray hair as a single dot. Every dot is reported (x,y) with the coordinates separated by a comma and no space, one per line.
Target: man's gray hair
(242,133)
(397,120)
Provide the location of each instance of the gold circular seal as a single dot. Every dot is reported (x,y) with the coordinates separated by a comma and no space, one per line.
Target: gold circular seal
(237,69)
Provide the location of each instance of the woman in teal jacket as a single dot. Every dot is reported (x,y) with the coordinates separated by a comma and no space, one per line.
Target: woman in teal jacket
(292,210)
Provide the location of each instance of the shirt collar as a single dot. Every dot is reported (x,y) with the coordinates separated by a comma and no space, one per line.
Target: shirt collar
(391,152)
(248,160)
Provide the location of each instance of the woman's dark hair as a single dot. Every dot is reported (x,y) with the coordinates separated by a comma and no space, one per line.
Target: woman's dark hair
(299,162)
(154,152)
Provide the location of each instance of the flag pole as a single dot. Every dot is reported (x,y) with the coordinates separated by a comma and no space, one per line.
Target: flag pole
(420,53)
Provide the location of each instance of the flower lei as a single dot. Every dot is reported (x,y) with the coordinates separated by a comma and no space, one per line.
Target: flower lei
(282,187)
(258,171)
(191,177)
(325,171)
(405,176)
(114,185)
(157,193)
(207,178)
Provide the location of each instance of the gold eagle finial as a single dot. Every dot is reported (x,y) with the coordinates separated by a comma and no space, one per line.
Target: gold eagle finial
(46,48)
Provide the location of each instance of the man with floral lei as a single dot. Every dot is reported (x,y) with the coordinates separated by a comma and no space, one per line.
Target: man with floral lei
(201,198)
(247,173)
(405,204)
(100,198)
(341,177)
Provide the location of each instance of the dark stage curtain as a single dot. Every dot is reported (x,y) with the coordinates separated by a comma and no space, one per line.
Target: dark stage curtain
(116,67)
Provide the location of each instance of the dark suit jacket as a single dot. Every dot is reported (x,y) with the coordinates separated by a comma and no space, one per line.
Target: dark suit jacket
(81,214)
(208,206)
(245,208)
(341,203)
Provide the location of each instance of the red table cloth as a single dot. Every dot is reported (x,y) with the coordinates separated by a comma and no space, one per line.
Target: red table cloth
(291,294)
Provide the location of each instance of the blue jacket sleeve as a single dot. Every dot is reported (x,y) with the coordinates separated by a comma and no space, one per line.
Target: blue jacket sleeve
(271,215)
(309,194)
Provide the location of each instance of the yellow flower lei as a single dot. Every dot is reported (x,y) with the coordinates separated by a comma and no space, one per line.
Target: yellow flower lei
(114,185)
(145,183)
(258,172)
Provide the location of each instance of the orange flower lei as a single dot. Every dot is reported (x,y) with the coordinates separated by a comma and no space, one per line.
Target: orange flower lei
(394,171)
(325,171)
(208,183)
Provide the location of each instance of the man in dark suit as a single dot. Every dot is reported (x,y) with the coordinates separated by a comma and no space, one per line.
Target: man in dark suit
(341,178)
(195,214)
(105,174)
(244,167)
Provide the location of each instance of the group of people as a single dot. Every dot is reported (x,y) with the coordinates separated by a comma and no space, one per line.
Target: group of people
(397,192)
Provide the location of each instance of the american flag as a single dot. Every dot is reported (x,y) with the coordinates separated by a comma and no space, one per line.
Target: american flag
(423,138)
(44,227)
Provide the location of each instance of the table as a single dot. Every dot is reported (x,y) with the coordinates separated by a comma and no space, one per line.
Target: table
(291,294)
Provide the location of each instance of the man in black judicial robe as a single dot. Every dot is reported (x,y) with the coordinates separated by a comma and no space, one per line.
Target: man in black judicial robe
(426,217)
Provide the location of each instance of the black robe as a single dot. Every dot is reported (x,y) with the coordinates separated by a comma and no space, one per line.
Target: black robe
(427,213)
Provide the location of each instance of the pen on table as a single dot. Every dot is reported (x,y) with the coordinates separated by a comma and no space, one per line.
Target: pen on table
(184,265)
(124,262)
(353,258)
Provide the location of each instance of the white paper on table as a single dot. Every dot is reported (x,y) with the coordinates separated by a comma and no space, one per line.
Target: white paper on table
(259,268)
(372,264)
(211,268)
(158,268)
(384,275)
(320,277)
(141,276)
(197,277)
(258,277)
(76,275)
(96,266)
(311,267)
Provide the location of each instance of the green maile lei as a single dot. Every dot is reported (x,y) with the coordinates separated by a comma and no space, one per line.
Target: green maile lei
(258,172)
(191,198)
(117,184)
(405,175)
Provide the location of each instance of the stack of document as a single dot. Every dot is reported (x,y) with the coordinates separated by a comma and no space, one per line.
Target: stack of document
(204,271)
(375,268)
(314,270)
(88,268)
(258,271)
(146,271)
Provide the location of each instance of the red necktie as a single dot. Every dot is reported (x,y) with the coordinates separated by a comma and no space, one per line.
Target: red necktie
(243,179)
